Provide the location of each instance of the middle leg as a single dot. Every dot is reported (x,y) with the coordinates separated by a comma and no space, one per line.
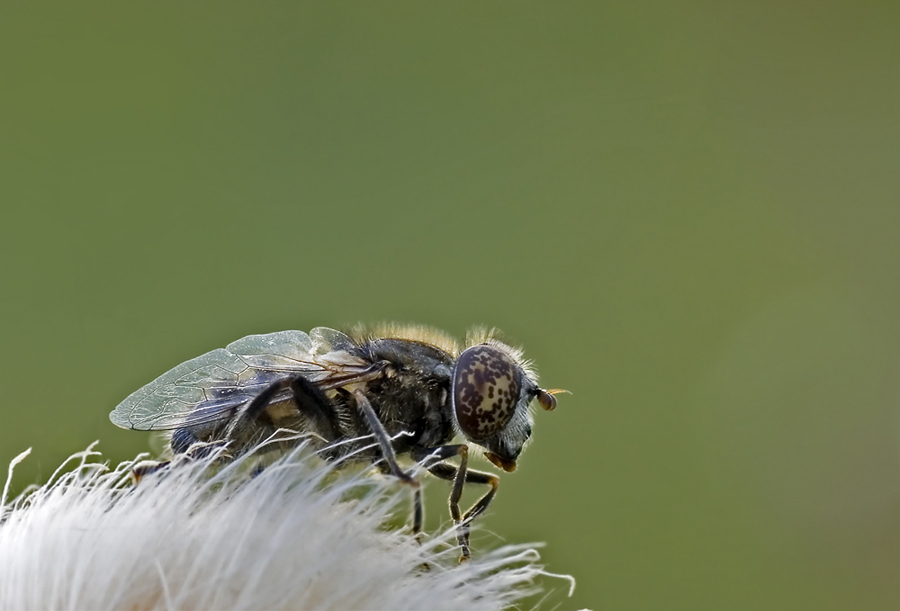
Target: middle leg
(390,457)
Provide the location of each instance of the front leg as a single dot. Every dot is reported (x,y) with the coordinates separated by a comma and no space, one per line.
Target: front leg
(459,476)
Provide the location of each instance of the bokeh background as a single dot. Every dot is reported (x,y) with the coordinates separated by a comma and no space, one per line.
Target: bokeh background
(687,213)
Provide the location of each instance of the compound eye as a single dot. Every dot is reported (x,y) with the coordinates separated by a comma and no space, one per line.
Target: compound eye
(486,386)
(546,400)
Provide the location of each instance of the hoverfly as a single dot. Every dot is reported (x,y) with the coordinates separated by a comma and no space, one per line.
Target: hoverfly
(411,389)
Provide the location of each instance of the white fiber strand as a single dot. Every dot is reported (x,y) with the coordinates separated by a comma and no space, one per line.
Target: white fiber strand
(298,535)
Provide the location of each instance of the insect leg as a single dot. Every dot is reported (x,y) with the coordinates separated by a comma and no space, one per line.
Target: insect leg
(253,408)
(310,402)
(383,439)
(418,512)
(390,458)
(181,441)
(459,476)
(313,404)
(147,467)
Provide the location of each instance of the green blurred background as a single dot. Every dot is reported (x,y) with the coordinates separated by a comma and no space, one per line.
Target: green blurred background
(686,212)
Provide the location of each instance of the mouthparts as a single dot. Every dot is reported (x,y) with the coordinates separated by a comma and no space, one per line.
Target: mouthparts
(507,465)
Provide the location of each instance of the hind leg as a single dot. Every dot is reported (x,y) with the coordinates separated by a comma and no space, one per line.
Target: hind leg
(185,446)
(309,400)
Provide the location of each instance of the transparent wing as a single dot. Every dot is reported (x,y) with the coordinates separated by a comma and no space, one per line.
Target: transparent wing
(326,340)
(209,388)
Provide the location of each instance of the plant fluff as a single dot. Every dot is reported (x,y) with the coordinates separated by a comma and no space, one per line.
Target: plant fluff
(298,534)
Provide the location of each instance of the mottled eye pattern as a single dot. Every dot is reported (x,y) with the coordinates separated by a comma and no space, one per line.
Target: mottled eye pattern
(486,385)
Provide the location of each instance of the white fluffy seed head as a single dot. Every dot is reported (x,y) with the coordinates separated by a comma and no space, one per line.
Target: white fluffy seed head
(300,534)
